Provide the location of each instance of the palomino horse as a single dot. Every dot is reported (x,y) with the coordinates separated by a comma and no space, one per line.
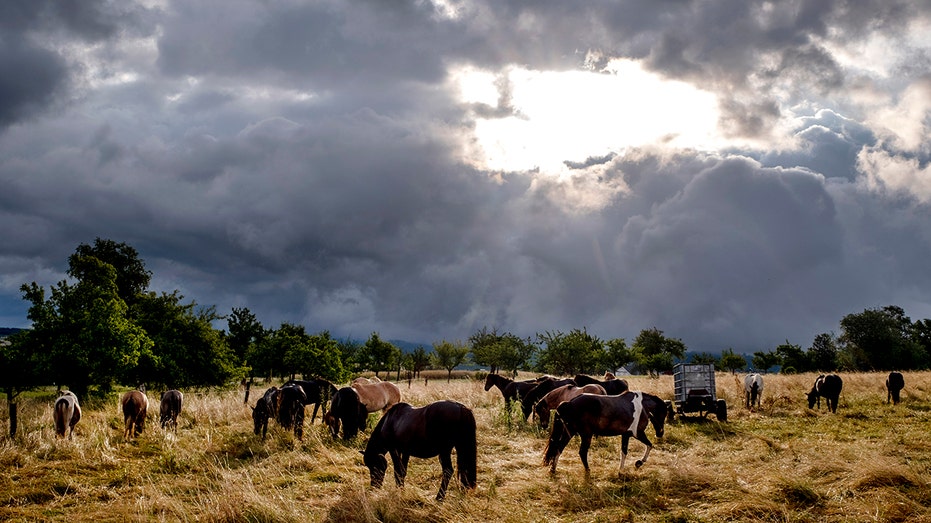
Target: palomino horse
(318,393)
(67,413)
(533,395)
(170,408)
(134,404)
(753,388)
(828,387)
(425,432)
(381,395)
(266,407)
(612,385)
(510,389)
(348,410)
(553,398)
(590,415)
(894,385)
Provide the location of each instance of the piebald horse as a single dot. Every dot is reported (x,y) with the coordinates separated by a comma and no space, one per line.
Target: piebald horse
(828,387)
(134,404)
(590,415)
(553,398)
(67,414)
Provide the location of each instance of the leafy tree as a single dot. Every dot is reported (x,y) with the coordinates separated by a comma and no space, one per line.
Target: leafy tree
(705,358)
(569,354)
(19,371)
(764,360)
(881,339)
(132,278)
(485,347)
(515,353)
(244,331)
(448,355)
(353,356)
(823,353)
(655,353)
(381,355)
(616,354)
(321,359)
(792,357)
(419,360)
(732,362)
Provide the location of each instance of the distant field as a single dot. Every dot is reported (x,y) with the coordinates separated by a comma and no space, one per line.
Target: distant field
(869,462)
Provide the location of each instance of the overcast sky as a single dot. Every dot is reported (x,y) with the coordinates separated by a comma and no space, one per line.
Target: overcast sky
(736,173)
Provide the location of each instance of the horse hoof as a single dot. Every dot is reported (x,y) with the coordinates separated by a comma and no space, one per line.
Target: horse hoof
(638,464)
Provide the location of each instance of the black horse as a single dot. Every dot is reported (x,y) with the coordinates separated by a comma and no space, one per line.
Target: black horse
(318,393)
(425,432)
(170,408)
(510,389)
(266,407)
(532,396)
(346,409)
(894,385)
(290,404)
(590,415)
(613,386)
(828,387)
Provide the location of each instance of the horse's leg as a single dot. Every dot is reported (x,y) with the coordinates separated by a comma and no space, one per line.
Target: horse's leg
(446,462)
(314,415)
(642,437)
(583,450)
(400,466)
(625,442)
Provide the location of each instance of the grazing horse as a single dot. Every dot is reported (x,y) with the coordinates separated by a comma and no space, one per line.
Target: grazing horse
(135,404)
(510,389)
(290,402)
(266,407)
(828,387)
(532,396)
(346,408)
(67,413)
(894,385)
(553,398)
(612,385)
(425,432)
(318,393)
(753,387)
(381,395)
(590,415)
(170,408)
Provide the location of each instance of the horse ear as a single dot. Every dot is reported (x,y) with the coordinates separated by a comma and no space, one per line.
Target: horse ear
(362,452)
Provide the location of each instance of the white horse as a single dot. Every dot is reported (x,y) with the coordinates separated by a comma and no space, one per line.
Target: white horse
(67,414)
(753,387)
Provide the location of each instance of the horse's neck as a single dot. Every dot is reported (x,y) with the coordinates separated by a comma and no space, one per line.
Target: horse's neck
(501,382)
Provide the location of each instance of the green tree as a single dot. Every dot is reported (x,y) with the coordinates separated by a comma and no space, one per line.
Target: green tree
(732,362)
(19,371)
(569,354)
(764,361)
(132,277)
(243,331)
(448,355)
(616,354)
(881,339)
(419,360)
(381,355)
(705,358)
(823,353)
(792,357)
(655,353)
(352,354)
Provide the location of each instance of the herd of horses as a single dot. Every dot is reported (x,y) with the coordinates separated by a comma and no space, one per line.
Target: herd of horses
(582,406)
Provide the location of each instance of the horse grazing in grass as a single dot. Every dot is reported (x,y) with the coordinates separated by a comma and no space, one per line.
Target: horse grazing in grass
(753,388)
(425,432)
(828,387)
(553,398)
(381,395)
(170,408)
(894,385)
(348,410)
(510,389)
(266,407)
(318,393)
(290,401)
(590,415)
(134,404)
(612,385)
(67,414)
(532,396)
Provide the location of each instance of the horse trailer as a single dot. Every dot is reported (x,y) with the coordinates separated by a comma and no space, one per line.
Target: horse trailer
(695,391)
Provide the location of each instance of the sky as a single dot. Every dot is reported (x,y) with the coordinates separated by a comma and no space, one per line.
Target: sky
(735,173)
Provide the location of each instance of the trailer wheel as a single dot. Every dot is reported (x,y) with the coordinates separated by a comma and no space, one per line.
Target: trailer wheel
(721,410)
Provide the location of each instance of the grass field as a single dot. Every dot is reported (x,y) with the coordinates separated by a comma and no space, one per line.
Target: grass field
(785,463)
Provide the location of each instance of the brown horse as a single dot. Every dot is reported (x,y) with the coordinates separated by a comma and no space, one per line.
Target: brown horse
(553,398)
(510,389)
(67,413)
(134,403)
(591,415)
(266,407)
(381,395)
(170,408)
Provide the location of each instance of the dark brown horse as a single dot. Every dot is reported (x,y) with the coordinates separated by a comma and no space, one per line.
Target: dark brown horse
(425,432)
(510,389)
(266,407)
(170,408)
(532,396)
(318,392)
(612,385)
(347,410)
(590,415)
(134,404)
(553,398)
(894,385)
(829,388)
(290,402)
(67,414)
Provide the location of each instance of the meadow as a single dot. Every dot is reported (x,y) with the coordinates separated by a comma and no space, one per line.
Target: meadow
(871,461)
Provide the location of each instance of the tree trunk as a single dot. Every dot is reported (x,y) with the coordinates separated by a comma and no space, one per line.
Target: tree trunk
(248,386)
(12,407)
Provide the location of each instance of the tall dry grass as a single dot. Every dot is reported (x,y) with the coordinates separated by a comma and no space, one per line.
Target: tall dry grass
(782,463)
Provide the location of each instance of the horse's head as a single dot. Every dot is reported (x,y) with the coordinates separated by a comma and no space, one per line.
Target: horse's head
(542,410)
(377,465)
(259,416)
(658,411)
(332,422)
(489,381)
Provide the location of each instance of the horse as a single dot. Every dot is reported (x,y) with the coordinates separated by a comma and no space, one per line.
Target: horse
(266,407)
(827,386)
(424,432)
(381,395)
(67,413)
(365,381)
(318,393)
(170,408)
(533,395)
(289,405)
(753,387)
(612,385)
(590,415)
(553,398)
(346,408)
(894,385)
(135,404)
(510,389)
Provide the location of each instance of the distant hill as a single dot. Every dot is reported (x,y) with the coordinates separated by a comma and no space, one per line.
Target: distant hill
(8,331)
(410,346)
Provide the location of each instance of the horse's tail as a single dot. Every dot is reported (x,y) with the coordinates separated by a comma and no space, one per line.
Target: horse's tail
(467,450)
(559,437)
(62,416)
